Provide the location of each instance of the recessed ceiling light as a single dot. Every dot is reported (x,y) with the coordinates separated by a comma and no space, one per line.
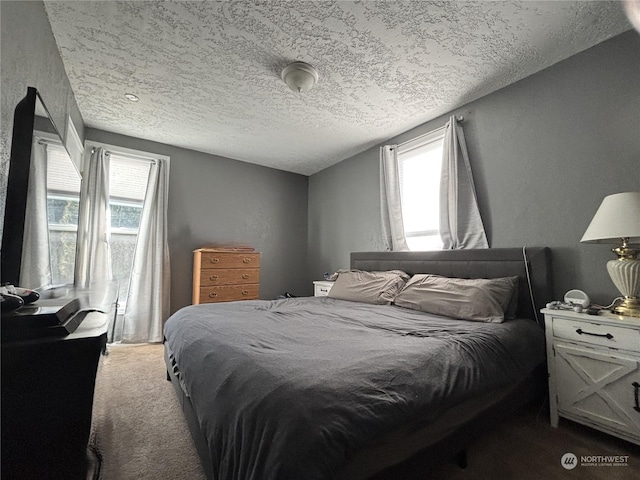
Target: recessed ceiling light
(131,96)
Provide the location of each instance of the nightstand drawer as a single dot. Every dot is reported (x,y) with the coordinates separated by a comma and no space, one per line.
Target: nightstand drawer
(321,288)
(597,334)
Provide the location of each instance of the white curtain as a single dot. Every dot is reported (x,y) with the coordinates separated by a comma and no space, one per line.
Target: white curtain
(148,297)
(94,222)
(460,222)
(35,270)
(390,201)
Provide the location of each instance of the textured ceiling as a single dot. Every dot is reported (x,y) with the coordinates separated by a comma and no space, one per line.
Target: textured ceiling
(208,73)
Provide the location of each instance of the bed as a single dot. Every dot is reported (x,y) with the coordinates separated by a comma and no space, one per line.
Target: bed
(320,387)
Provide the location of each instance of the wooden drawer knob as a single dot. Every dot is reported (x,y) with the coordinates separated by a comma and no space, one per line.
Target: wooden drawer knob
(245,276)
(246,260)
(245,292)
(213,277)
(213,294)
(215,259)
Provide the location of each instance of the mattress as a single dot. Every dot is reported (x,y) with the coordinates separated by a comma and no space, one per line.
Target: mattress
(295,388)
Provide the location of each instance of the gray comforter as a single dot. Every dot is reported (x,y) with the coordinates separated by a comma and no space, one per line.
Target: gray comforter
(290,389)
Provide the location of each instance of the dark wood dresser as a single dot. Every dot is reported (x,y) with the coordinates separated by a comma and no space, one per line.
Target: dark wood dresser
(48,382)
(224,274)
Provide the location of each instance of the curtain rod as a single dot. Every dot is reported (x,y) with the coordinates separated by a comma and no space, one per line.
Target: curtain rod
(130,156)
(459,119)
(47,141)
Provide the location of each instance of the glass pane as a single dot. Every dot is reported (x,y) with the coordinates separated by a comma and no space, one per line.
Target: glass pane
(63,191)
(127,188)
(432,242)
(62,245)
(62,211)
(125,216)
(123,247)
(419,171)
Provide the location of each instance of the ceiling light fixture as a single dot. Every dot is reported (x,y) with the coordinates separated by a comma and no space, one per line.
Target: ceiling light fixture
(299,76)
(131,96)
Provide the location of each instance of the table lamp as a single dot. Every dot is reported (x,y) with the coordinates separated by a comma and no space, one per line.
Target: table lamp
(618,221)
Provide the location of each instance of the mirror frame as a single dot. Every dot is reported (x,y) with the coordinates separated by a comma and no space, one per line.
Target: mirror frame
(18,184)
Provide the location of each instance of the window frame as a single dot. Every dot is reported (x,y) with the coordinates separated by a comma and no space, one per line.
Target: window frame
(408,147)
(135,155)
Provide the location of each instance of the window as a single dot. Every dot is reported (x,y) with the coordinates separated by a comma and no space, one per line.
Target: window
(127,188)
(128,185)
(419,167)
(63,191)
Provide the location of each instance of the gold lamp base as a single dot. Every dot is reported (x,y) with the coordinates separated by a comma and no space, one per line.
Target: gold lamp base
(625,274)
(630,307)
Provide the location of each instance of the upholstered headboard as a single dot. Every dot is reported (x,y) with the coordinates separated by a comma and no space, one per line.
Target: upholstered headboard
(482,263)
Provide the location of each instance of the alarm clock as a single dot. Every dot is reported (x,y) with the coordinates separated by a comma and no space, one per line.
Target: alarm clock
(577,298)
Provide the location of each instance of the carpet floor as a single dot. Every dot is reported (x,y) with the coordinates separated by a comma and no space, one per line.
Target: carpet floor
(138,428)
(140,434)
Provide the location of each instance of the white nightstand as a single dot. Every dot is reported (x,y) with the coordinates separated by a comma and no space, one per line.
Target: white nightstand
(594,371)
(321,288)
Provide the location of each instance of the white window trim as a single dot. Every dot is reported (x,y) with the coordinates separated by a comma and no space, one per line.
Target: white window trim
(124,152)
(420,140)
(74,145)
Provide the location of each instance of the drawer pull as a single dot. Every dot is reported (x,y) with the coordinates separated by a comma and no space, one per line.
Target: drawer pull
(636,387)
(213,294)
(215,259)
(213,277)
(245,292)
(245,276)
(246,260)
(579,331)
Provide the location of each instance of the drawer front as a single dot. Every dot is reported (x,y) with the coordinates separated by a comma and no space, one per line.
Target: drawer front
(321,290)
(597,386)
(229,293)
(229,276)
(597,334)
(229,260)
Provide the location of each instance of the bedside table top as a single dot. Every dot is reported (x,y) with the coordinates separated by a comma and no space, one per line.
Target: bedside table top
(323,283)
(602,317)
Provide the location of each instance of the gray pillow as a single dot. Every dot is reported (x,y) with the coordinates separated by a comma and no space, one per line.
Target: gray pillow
(512,308)
(478,299)
(378,288)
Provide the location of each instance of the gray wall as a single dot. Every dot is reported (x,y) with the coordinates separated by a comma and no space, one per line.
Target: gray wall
(215,200)
(29,58)
(544,153)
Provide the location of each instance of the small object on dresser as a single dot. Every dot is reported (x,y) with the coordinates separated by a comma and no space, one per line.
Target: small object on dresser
(15,297)
(10,302)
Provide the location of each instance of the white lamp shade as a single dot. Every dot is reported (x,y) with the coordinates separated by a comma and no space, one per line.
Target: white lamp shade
(618,217)
(632,7)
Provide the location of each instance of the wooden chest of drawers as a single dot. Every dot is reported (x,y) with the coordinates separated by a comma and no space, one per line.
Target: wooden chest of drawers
(225,274)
